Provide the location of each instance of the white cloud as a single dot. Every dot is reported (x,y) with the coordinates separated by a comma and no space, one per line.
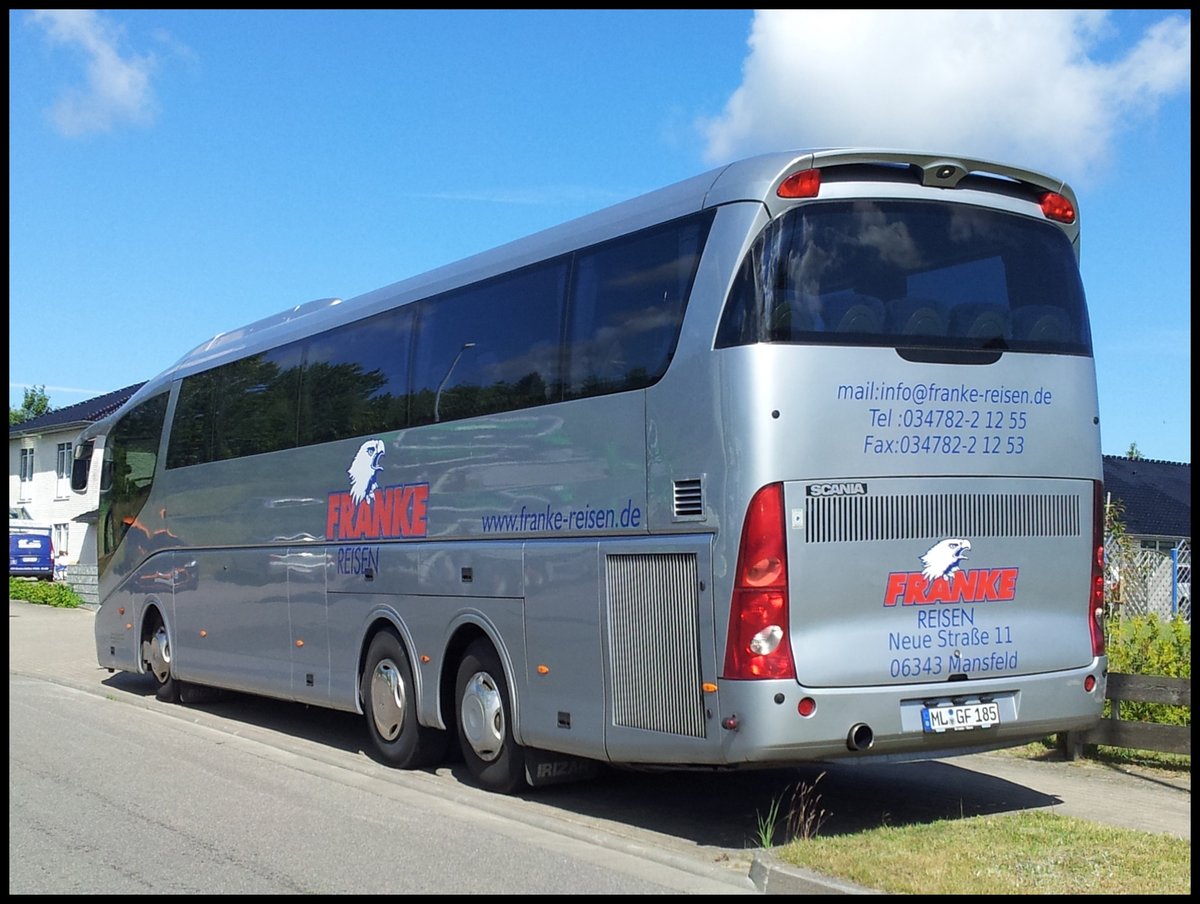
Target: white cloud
(115,88)
(1028,86)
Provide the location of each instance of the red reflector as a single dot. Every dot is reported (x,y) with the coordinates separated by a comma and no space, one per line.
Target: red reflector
(804,184)
(1057,207)
(807,706)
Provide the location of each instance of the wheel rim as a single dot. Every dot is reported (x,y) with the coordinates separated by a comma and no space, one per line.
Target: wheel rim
(388,699)
(482,714)
(160,654)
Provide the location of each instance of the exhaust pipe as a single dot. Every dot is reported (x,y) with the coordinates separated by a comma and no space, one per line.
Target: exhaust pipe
(860,737)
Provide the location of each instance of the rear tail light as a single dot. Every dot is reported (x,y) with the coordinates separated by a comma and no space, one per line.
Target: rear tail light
(757,645)
(1057,207)
(1096,596)
(804,184)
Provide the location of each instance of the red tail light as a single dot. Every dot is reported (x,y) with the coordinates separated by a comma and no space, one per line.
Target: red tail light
(804,184)
(758,644)
(1057,207)
(1096,596)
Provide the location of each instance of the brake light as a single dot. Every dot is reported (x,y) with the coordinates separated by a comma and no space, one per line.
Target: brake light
(804,184)
(1057,207)
(1096,597)
(757,645)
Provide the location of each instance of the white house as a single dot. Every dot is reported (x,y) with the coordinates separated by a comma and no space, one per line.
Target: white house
(40,454)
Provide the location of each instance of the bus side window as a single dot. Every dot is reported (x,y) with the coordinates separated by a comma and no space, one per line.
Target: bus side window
(255,410)
(354,380)
(626,306)
(490,347)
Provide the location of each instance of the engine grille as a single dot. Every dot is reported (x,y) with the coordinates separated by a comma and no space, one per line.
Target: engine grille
(653,617)
(841,519)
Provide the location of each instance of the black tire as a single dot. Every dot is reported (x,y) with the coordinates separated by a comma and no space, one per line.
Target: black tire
(156,652)
(483,714)
(390,707)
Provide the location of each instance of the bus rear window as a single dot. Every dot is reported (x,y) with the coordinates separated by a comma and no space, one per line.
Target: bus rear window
(909,274)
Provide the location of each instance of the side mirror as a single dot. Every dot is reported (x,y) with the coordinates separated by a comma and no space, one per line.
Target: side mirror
(81,466)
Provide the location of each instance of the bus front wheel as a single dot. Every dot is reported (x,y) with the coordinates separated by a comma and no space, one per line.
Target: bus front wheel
(389,703)
(484,719)
(156,651)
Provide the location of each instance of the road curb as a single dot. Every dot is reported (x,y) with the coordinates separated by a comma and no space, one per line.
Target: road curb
(772,876)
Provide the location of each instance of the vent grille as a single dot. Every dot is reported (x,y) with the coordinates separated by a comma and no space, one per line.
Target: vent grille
(844,519)
(653,617)
(689,499)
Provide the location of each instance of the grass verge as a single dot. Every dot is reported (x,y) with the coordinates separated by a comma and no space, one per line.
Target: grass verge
(1031,852)
(1013,853)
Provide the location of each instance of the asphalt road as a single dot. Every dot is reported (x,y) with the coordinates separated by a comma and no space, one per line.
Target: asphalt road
(697,823)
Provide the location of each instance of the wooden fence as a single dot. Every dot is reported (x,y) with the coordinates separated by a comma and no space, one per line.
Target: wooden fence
(1117,732)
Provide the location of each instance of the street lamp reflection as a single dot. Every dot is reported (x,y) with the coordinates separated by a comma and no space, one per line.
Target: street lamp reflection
(437,398)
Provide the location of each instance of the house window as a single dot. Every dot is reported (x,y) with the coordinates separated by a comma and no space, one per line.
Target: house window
(62,536)
(1162,545)
(62,488)
(26,486)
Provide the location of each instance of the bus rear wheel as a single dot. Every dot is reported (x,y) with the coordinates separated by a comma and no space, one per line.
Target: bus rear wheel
(484,717)
(156,652)
(389,703)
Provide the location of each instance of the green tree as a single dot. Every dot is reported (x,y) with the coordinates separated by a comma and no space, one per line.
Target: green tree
(35,404)
(1134,452)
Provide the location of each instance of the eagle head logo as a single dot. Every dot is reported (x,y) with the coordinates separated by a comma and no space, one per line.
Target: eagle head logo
(364,470)
(942,561)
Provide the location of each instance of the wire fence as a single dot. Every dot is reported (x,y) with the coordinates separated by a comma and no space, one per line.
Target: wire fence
(1142,581)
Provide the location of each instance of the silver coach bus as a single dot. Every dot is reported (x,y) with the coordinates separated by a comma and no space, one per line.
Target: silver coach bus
(795,460)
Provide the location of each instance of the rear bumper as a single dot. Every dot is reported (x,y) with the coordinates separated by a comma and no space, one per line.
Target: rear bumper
(25,571)
(871,722)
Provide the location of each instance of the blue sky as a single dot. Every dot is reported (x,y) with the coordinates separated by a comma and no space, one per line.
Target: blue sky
(178,173)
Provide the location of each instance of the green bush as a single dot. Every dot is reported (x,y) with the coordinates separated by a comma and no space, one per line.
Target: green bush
(1149,645)
(45,592)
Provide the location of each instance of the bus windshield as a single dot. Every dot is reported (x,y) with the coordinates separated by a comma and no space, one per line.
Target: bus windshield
(912,274)
(127,476)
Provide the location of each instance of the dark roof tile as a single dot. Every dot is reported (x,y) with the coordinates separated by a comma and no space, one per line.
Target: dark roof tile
(1156,495)
(88,412)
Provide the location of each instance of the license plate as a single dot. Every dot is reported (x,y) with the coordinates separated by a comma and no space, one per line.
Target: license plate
(960,718)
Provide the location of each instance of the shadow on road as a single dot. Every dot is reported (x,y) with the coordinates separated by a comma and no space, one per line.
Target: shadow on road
(727,809)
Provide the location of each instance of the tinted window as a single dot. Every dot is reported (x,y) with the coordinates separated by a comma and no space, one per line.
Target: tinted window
(246,407)
(490,347)
(494,346)
(355,379)
(912,274)
(626,307)
(127,472)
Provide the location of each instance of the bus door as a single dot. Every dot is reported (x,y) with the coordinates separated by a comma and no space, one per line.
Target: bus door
(305,568)
(232,629)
